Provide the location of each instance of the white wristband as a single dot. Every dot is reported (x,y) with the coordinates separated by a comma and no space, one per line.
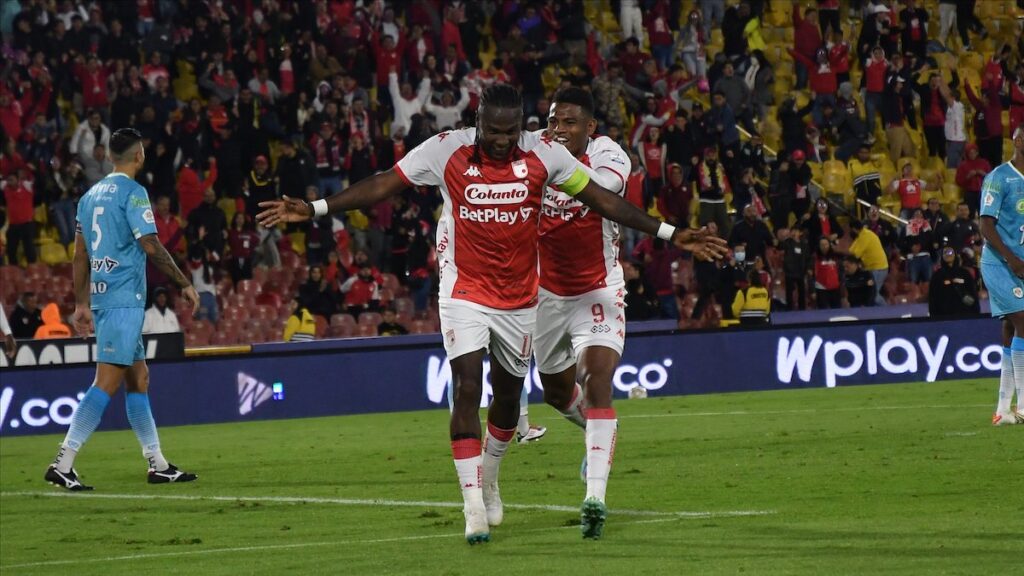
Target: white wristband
(666,231)
(320,208)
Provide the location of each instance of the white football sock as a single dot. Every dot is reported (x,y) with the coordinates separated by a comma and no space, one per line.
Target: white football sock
(1018,377)
(466,453)
(65,458)
(601,426)
(574,411)
(494,450)
(1007,382)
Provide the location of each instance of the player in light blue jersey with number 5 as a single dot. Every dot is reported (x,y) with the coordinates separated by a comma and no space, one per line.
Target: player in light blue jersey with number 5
(1002,267)
(116,232)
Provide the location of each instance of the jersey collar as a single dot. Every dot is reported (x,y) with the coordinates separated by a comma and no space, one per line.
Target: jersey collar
(112,174)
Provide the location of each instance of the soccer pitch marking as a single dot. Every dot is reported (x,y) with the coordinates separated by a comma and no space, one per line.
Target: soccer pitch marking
(793,411)
(377,502)
(148,556)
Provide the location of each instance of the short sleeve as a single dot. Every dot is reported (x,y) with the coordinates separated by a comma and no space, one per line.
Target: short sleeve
(424,164)
(611,166)
(139,213)
(564,171)
(991,195)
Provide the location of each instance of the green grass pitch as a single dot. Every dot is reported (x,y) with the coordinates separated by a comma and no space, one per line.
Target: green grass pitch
(894,479)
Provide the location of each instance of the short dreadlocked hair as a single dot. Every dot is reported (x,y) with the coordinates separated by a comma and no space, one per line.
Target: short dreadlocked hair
(501,96)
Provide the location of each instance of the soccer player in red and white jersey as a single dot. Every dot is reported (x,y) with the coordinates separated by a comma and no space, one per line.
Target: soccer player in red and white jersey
(581,324)
(492,180)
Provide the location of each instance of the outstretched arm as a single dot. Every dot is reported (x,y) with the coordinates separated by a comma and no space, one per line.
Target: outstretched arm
(363,194)
(616,209)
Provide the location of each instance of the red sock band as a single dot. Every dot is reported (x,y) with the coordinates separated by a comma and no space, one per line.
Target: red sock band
(466,448)
(499,433)
(600,413)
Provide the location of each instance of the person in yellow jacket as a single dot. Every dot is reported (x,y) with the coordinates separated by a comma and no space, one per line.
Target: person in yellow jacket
(753,304)
(52,326)
(868,248)
(301,326)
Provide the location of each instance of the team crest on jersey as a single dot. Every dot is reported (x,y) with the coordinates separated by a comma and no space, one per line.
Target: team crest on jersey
(147,216)
(520,169)
(989,199)
(1018,292)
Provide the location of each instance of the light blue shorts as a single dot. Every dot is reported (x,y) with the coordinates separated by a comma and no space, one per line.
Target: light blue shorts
(119,335)
(1005,291)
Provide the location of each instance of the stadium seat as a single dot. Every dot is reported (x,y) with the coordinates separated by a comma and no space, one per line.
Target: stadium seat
(420,327)
(272,299)
(248,287)
(403,305)
(367,331)
(390,282)
(369,318)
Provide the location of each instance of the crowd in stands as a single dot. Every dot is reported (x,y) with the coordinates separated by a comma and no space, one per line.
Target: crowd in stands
(838,145)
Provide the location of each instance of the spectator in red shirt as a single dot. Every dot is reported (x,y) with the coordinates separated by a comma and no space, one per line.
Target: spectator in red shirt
(450,32)
(806,41)
(652,155)
(635,196)
(11,114)
(19,202)
(242,241)
(674,199)
(632,61)
(660,33)
(658,258)
(362,292)
(988,119)
(826,276)
(909,188)
(970,174)
(875,71)
(93,78)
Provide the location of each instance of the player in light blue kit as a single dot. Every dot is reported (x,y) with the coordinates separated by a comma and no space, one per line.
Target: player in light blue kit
(1002,267)
(116,232)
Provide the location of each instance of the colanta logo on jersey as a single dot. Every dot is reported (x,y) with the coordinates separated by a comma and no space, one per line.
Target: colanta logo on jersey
(510,193)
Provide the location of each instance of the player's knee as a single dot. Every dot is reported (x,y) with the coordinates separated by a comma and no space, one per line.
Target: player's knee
(139,383)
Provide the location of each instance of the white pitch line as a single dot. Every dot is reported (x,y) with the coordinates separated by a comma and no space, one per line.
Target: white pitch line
(382,503)
(289,546)
(796,411)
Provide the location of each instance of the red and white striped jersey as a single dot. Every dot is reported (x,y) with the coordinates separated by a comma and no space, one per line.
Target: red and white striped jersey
(579,250)
(487,233)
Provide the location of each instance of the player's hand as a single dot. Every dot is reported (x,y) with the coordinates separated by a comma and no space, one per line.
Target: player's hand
(192,297)
(702,243)
(82,321)
(10,346)
(1017,267)
(284,210)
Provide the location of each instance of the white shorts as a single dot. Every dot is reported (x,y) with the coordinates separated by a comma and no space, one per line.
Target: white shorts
(507,334)
(567,325)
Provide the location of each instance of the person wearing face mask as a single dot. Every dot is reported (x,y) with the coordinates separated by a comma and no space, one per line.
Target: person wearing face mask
(952,290)
(752,233)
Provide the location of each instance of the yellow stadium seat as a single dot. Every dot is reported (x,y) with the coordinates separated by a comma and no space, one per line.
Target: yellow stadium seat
(952,192)
(835,166)
(53,253)
(229,207)
(837,182)
(298,242)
